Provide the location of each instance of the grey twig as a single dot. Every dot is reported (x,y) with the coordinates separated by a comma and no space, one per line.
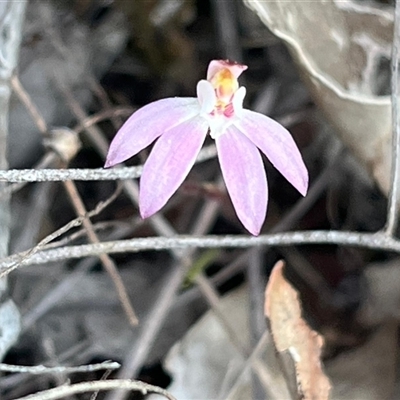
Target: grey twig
(48,159)
(62,288)
(394,200)
(264,372)
(29,104)
(102,115)
(114,225)
(41,369)
(72,224)
(69,390)
(377,241)
(75,174)
(94,174)
(108,264)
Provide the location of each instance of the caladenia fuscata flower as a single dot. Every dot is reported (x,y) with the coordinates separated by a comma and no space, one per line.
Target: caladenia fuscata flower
(181,126)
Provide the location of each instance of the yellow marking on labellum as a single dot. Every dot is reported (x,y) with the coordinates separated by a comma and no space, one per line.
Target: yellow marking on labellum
(225,85)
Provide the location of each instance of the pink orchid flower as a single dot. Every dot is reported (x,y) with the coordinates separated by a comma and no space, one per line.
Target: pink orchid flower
(181,124)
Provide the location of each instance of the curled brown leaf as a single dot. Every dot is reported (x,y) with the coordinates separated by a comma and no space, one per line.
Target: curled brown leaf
(294,338)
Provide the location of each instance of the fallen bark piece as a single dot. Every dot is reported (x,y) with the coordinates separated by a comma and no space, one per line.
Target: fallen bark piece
(293,338)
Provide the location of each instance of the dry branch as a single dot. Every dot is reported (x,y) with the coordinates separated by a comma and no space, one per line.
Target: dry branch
(76,174)
(377,241)
(41,369)
(94,386)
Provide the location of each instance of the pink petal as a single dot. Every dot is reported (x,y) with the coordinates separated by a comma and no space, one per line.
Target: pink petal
(217,65)
(169,163)
(278,145)
(147,124)
(245,179)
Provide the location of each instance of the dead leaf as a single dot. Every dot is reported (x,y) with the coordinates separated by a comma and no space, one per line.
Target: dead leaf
(292,336)
(340,48)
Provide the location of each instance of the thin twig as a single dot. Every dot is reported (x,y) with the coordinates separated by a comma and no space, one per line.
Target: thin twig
(394,200)
(105,259)
(41,369)
(62,288)
(69,390)
(72,224)
(377,241)
(81,174)
(71,174)
(24,97)
(48,159)
(103,115)
(94,133)
(103,378)
(98,227)
(14,382)
(105,102)
(264,372)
